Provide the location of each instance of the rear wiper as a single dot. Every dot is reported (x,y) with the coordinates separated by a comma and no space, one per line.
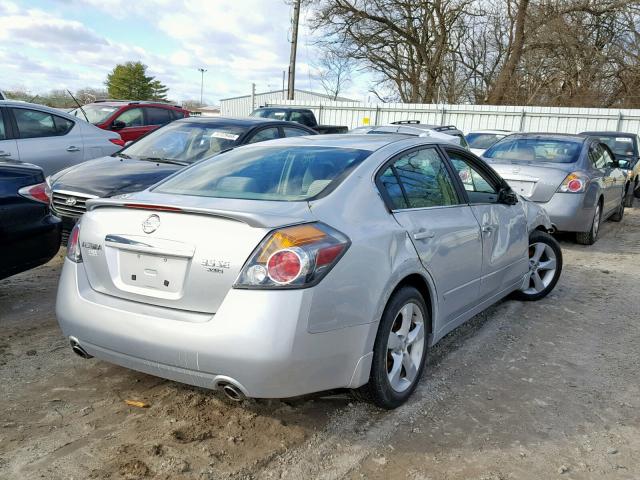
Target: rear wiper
(164,160)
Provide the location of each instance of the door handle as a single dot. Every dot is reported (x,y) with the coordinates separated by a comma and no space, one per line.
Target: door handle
(73,148)
(423,235)
(489,228)
(5,154)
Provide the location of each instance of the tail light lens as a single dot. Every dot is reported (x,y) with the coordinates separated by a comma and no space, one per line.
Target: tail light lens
(575,182)
(294,257)
(73,247)
(117,141)
(39,192)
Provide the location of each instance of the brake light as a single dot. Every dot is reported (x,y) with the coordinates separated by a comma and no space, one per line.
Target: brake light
(575,182)
(39,192)
(294,257)
(73,246)
(117,141)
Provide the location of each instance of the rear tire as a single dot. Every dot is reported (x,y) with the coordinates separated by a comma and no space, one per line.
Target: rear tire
(545,266)
(590,237)
(399,352)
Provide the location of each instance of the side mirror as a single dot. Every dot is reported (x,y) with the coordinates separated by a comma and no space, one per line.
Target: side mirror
(614,164)
(118,125)
(507,196)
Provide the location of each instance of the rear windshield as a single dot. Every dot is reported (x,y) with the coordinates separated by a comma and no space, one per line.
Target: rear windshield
(267,173)
(185,142)
(483,140)
(620,146)
(95,113)
(535,150)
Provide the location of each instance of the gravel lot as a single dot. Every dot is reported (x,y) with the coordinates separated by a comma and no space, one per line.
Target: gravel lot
(523,391)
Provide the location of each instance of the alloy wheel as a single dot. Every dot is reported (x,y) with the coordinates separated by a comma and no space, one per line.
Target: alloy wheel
(542,267)
(405,347)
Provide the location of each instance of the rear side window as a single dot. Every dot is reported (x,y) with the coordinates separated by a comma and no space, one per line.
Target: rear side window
(264,135)
(418,179)
(132,117)
(597,156)
(304,118)
(158,116)
(177,114)
(3,134)
(36,124)
(267,173)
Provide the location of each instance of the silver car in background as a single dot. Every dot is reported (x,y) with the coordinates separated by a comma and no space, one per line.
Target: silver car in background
(576,179)
(50,138)
(302,264)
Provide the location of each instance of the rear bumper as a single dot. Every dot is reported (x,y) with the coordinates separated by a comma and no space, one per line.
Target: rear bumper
(257,340)
(570,212)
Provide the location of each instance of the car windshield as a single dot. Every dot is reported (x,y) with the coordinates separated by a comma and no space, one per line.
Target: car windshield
(535,150)
(483,140)
(185,142)
(292,173)
(620,146)
(95,113)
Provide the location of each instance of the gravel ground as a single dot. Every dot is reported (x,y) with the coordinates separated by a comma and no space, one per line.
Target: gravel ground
(522,391)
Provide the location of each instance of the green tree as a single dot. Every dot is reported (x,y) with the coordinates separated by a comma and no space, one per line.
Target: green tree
(130,81)
(158,91)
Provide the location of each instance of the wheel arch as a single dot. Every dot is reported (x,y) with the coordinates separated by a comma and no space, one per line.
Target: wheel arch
(420,283)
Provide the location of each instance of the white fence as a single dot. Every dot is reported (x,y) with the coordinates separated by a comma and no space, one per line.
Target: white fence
(474,117)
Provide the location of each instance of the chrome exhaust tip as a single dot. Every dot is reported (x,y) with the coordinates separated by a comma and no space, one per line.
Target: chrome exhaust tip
(77,349)
(232,392)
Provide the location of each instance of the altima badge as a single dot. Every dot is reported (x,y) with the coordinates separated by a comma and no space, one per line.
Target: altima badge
(151,224)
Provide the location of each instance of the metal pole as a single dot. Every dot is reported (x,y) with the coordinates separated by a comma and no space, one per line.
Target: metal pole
(201,70)
(253,97)
(284,74)
(294,46)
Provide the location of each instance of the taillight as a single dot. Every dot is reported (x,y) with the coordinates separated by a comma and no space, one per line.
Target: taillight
(294,257)
(117,141)
(39,192)
(73,247)
(575,182)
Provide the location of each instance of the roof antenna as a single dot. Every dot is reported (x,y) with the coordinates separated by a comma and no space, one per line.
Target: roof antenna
(79,106)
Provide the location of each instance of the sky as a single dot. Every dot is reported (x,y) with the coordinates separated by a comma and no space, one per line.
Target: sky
(70,44)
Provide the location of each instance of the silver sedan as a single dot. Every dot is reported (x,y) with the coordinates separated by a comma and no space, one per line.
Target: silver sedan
(576,179)
(302,264)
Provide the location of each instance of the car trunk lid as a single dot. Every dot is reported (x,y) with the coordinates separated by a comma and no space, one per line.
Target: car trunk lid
(536,182)
(185,259)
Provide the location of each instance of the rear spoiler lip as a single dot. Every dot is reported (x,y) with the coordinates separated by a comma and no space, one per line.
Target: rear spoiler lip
(261,220)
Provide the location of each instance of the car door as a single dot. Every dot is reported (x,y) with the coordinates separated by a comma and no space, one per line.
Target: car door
(8,145)
(602,174)
(47,140)
(418,188)
(616,177)
(130,124)
(505,238)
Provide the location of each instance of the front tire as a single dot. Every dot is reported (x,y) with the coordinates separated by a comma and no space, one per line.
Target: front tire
(400,350)
(545,267)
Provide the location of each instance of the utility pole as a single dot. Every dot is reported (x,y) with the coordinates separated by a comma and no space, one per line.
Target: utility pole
(201,70)
(294,47)
(253,97)
(283,80)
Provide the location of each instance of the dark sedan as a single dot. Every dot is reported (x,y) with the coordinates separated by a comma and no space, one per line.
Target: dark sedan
(29,233)
(156,156)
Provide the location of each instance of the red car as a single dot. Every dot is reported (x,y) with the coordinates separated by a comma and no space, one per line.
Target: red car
(131,119)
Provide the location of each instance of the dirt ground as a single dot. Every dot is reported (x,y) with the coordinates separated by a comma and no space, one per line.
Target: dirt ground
(523,391)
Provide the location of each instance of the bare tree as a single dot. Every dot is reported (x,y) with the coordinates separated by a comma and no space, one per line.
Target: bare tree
(334,72)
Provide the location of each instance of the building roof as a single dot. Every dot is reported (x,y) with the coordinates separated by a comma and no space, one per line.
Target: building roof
(281,92)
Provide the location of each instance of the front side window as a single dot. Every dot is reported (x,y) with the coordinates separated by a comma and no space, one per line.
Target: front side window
(262,172)
(535,150)
(158,116)
(131,118)
(35,124)
(597,157)
(303,118)
(265,134)
(294,132)
(479,187)
(419,179)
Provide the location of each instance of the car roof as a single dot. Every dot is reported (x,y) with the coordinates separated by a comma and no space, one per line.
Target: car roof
(550,136)
(240,121)
(37,106)
(494,131)
(609,134)
(339,140)
(120,103)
